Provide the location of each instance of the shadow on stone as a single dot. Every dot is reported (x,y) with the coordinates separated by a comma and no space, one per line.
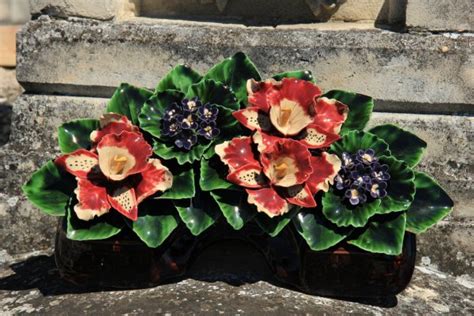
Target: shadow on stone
(213,265)
(5,123)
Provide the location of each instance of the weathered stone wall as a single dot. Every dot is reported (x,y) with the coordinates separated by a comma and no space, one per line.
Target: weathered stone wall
(422,80)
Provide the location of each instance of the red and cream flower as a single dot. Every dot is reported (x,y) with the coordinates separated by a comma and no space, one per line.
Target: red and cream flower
(282,175)
(293,108)
(118,174)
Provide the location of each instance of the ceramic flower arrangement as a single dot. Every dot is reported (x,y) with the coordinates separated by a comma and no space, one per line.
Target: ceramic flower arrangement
(230,145)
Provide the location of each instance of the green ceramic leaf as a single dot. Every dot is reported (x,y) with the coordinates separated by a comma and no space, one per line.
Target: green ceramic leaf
(156,221)
(153,110)
(383,235)
(299,74)
(212,175)
(128,100)
(198,214)
(183,184)
(341,213)
(213,92)
(360,108)
(403,145)
(431,204)
(355,140)
(179,78)
(102,227)
(319,233)
(234,207)
(401,186)
(273,226)
(50,189)
(227,123)
(234,72)
(76,134)
(170,151)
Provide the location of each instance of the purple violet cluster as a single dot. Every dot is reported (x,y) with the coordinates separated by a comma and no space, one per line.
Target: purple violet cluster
(362,177)
(184,122)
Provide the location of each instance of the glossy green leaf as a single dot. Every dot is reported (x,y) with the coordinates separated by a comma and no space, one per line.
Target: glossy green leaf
(355,140)
(383,235)
(403,145)
(170,151)
(341,213)
(179,78)
(183,184)
(227,124)
(212,176)
(102,227)
(128,100)
(50,189)
(213,92)
(76,135)
(431,204)
(198,214)
(360,109)
(234,72)
(299,74)
(234,207)
(319,233)
(156,221)
(153,110)
(401,186)
(273,226)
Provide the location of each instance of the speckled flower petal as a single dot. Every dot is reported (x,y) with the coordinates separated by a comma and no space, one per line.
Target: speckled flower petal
(78,163)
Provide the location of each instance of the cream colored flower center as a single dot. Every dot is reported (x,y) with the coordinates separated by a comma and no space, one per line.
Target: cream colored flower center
(280,170)
(289,117)
(117,164)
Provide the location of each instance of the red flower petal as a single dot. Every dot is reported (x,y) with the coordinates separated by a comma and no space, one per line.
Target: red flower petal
(264,141)
(268,201)
(258,93)
(300,195)
(325,168)
(112,123)
(315,137)
(249,176)
(292,108)
(330,114)
(253,119)
(287,163)
(78,163)
(92,200)
(123,155)
(155,177)
(123,199)
(236,153)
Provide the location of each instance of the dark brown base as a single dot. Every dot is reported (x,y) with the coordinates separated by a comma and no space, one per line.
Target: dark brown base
(123,261)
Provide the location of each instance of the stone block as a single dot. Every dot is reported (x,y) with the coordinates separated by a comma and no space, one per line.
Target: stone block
(9,87)
(409,73)
(100,9)
(441,15)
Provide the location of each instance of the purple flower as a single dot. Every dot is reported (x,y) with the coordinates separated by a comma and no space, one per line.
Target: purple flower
(191,106)
(170,128)
(208,130)
(208,112)
(171,111)
(189,121)
(362,178)
(186,141)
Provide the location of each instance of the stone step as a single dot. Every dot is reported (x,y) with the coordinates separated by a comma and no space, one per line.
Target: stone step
(33,141)
(31,284)
(431,73)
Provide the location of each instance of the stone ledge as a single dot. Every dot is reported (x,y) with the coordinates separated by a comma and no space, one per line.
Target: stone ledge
(33,286)
(440,15)
(413,72)
(33,141)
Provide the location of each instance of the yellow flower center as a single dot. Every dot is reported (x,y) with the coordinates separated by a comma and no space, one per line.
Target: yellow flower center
(284,116)
(118,163)
(280,170)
